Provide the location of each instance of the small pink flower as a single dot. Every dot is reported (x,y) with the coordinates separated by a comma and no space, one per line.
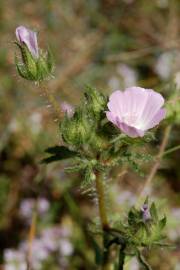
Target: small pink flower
(67,108)
(145,212)
(135,110)
(29,38)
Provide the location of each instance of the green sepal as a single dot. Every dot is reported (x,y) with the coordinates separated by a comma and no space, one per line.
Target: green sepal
(96,101)
(31,68)
(77,130)
(162,223)
(153,212)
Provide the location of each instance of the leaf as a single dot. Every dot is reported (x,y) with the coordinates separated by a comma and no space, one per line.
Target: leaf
(58,153)
(153,212)
(162,223)
(146,200)
(89,175)
(98,252)
(133,216)
(75,168)
(50,61)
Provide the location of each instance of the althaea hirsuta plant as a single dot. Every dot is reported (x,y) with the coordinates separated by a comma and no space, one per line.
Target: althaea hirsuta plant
(98,136)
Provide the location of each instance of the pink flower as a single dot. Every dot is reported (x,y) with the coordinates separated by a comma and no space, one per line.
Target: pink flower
(67,108)
(135,110)
(29,38)
(145,212)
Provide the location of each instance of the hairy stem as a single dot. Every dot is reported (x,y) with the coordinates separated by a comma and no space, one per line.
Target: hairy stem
(122,256)
(173,149)
(32,232)
(53,102)
(103,219)
(101,201)
(143,261)
(144,191)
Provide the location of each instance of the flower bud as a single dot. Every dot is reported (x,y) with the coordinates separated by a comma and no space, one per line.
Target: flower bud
(35,66)
(67,108)
(96,101)
(76,130)
(29,38)
(145,212)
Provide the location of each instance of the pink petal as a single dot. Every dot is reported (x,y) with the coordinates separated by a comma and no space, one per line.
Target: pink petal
(131,131)
(111,117)
(154,102)
(115,102)
(134,100)
(160,115)
(24,35)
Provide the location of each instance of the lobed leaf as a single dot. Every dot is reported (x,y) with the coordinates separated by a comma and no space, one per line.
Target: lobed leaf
(58,153)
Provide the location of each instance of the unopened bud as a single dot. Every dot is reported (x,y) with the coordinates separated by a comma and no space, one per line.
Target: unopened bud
(28,37)
(96,101)
(145,212)
(34,66)
(76,130)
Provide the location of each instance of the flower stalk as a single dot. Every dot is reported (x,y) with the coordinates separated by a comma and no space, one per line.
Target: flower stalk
(144,191)
(122,256)
(143,261)
(51,99)
(101,201)
(31,236)
(103,219)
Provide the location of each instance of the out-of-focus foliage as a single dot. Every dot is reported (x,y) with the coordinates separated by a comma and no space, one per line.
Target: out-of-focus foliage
(108,44)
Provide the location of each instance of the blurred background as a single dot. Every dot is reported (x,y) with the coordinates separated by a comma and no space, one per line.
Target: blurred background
(109,44)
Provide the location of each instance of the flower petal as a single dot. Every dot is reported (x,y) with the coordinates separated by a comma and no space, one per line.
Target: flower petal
(134,100)
(111,117)
(160,115)
(154,102)
(24,35)
(115,104)
(131,131)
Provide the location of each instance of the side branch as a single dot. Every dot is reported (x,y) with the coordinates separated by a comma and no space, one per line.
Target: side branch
(144,191)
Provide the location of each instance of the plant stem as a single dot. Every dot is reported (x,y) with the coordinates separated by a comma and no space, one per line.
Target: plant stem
(143,261)
(101,201)
(103,219)
(144,191)
(32,232)
(175,148)
(51,99)
(121,257)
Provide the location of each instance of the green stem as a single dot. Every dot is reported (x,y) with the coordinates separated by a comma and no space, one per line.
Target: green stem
(101,201)
(52,100)
(122,256)
(143,261)
(103,219)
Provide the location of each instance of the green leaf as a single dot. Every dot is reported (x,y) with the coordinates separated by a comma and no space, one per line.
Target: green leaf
(75,168)
(146,200)
(58,153)
(133,216)
(89,175)
(50,61)
(98,252)
(162,223)
(153,212)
